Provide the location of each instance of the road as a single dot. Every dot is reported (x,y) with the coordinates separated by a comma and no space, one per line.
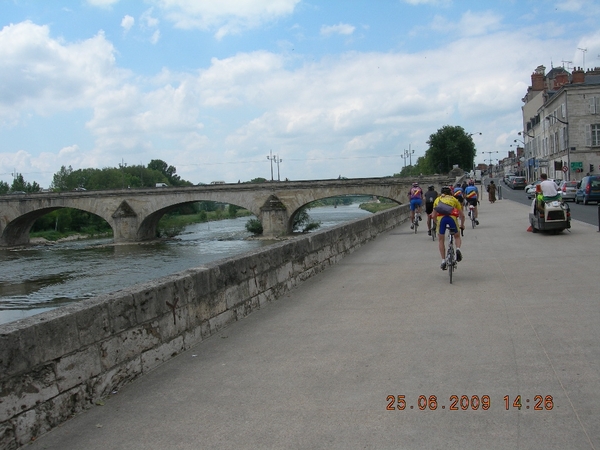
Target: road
(585,213)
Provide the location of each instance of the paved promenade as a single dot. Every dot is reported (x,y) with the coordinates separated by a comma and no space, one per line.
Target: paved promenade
(318,368)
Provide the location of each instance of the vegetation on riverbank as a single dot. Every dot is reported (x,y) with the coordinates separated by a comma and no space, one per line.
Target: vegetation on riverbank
(374,207)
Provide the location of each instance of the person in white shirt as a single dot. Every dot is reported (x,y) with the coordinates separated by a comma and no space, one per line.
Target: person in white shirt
(549,188)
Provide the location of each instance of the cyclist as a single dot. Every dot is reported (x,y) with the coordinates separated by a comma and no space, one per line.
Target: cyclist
(447,210)
(458,193)
(472,195)
(415,196)
(430,197)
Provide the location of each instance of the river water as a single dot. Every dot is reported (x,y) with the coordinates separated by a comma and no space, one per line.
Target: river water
(40,278)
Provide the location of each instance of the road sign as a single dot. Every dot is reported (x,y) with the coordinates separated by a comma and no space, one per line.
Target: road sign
(564,169)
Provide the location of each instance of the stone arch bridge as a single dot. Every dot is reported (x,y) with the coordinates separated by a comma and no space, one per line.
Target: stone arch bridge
(133,214)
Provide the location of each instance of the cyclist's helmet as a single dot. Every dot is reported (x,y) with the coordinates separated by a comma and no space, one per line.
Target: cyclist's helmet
(415,184)
(447,190)
(431,187)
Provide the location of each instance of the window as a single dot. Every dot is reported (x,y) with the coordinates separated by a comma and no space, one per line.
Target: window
(594,105)
(595,135)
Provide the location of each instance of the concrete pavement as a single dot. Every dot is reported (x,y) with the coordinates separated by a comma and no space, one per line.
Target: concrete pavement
(319,367)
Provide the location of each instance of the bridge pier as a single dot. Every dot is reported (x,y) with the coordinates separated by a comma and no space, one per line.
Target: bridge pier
(125,224)
(274,218)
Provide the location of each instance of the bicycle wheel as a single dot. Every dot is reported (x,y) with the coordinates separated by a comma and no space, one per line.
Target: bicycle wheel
(416,223)
(433,232)
(450,269)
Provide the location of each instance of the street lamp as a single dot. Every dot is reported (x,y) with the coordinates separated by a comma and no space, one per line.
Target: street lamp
(275,158)
(490,158)
(529,156)
(553,116)
(278,160)
(470,135)
(408,154)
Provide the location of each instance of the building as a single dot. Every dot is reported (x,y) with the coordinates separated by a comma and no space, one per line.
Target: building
(561,123)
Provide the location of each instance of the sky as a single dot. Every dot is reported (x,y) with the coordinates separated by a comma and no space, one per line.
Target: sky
(223,90)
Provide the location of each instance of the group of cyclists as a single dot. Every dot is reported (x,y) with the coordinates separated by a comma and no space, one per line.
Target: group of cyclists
(445,210)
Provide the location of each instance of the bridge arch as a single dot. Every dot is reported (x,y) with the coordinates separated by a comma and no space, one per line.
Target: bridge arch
(293,214)
(17,231)
(148,227)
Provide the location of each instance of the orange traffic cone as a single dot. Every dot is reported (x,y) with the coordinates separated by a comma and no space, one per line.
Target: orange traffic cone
(530,229)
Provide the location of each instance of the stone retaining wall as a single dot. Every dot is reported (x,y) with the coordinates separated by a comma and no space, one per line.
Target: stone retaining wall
(56,364)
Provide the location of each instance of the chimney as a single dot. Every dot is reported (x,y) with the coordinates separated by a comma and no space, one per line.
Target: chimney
(578,76)
(561,79)
(537,79)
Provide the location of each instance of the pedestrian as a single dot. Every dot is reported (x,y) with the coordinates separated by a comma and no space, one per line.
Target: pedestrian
(491,191)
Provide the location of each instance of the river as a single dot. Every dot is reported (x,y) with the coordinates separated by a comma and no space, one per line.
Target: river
(39,278)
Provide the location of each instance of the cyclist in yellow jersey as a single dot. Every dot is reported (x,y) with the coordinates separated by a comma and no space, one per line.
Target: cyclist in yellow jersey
(447,210)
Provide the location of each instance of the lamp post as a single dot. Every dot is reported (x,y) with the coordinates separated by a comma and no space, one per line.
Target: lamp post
(278,160)
(271,158)
(470,135)
(490,158)
(549,119)
(529,155)
(408,154)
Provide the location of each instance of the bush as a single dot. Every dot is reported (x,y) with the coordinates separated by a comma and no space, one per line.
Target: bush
(254,226)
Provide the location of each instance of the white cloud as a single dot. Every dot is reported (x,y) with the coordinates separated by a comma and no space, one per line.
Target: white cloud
(127,22)
(155,37)
(225,16)
(341,28)
(470,24)
(147,20)
(44,75)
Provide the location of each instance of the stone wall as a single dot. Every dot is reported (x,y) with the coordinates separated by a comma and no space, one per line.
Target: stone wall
(56,364)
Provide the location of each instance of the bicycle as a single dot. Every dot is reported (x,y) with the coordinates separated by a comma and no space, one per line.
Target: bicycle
(433,225)
(451,262)
(472,215)
(415,222)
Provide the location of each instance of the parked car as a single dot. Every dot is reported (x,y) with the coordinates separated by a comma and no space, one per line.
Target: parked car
(530,188)
(567,190)
(517,183)
(507,177)
(588,190)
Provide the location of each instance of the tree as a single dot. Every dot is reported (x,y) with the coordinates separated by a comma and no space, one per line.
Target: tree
(20,185)
(60,179)
(448,146)
(302,220)
(4,187)
(168,171)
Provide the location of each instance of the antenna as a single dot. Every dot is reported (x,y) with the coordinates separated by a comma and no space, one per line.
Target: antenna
(583,50)
(568,63)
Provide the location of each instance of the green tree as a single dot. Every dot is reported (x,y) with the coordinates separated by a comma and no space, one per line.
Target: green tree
(168,171)
(448,146)
(258,180)
(19,184)
(302,221)
(60,180)
(4,187)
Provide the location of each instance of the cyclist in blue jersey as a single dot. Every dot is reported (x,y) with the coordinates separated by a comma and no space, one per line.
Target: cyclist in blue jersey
(459,194)
(472,196)
(415,195)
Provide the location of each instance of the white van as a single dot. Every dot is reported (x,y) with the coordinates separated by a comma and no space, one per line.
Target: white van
(162,185)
